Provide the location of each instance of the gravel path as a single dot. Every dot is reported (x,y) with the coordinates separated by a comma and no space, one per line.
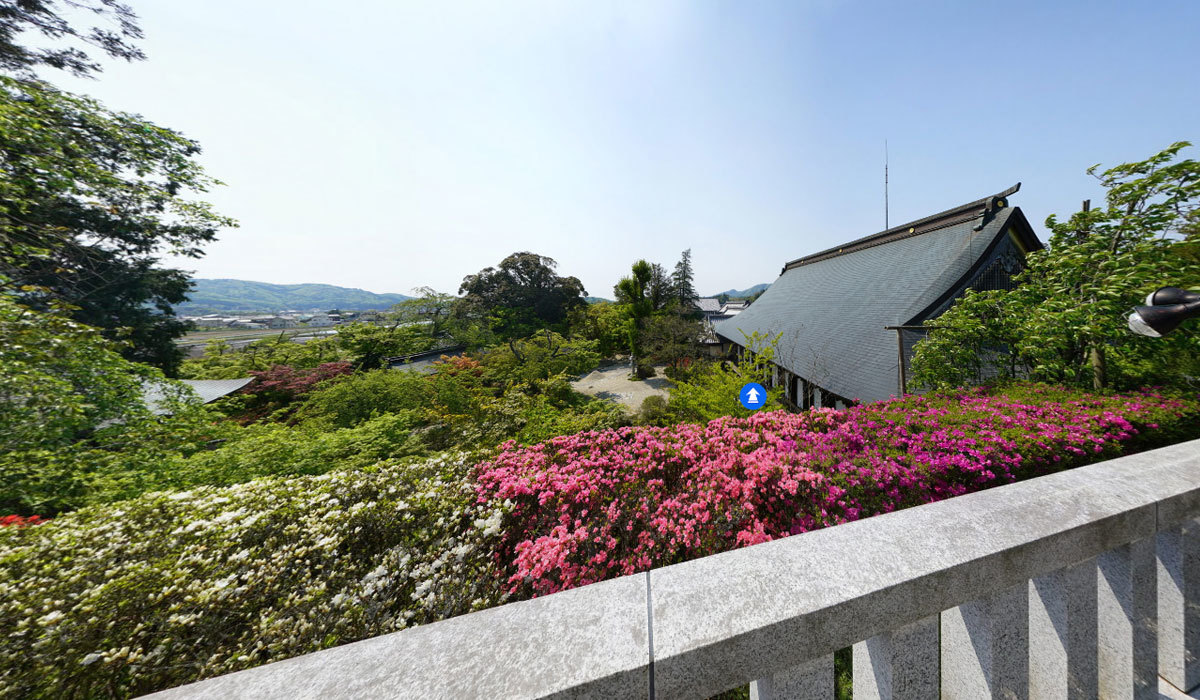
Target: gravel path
(612,383)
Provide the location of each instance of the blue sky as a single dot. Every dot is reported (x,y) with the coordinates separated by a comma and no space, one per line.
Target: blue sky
(393,145)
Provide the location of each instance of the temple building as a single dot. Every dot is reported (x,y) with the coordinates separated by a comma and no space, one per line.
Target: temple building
(850,315)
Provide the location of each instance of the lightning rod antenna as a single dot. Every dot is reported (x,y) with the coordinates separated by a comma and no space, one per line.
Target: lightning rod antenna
(885,185)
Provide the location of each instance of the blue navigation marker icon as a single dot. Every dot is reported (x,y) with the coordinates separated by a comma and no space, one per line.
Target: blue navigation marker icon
(753,396)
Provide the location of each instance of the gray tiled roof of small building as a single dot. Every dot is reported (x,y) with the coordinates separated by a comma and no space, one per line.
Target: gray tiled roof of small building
(708,304)
(832,312)
(208,390)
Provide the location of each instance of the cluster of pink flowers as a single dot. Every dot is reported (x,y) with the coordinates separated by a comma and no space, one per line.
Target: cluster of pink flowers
(596,505)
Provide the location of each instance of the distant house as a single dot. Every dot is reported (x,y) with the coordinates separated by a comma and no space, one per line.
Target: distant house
(209,321)
(708,305)
(274,322)
(713,310)
(733,308)
(246,324)
(320,320)
(850,315)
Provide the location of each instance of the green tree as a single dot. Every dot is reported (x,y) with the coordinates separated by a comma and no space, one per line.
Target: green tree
(540,356)
(220,361)
(714,391)
(671,338)
(682,283)
(521,296)
(89,198)
(74,423)
(634,293)
(40,15)
(367,344)
(432,311)
(1065,322)
(607,324)
(61,379)
(660,289)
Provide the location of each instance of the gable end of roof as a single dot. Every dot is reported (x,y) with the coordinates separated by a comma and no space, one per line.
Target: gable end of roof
(960,214)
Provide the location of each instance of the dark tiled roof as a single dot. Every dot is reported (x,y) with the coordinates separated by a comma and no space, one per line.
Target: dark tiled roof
(950,217)
(832,307)
(708,304)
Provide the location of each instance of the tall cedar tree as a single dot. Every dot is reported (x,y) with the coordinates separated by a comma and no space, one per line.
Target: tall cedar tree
(682,282)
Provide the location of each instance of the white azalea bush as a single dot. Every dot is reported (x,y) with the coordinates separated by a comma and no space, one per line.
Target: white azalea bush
(170,588)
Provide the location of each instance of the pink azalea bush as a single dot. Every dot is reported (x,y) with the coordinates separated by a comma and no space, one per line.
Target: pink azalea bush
(600,504)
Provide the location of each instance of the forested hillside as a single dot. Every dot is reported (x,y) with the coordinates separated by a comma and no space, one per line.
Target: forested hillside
(216,296)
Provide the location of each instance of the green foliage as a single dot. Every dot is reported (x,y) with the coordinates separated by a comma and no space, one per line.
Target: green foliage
(672,339)
(606,323)
(713,391)
(540,356)
(91,198)
(540,410)
(370,394)
(633,292)
(74,425)
(661,320)
(363,344)
(169,589)
(220,361)
(683,287)
(120,461)
(273,449)
(41,15)
(1066,321)
(61,379)
(521,296)
(434,314)
(367,344)
(654,411)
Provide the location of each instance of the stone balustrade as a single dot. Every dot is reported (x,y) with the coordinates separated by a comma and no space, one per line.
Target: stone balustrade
(1080,584)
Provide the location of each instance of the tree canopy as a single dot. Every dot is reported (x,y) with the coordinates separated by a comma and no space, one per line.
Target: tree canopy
(1065,322)
(682,283)
(17,16)
(89,198)
(661,321)
(61,379)
(522,295)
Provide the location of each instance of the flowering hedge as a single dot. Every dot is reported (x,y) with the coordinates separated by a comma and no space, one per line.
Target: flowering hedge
(601,504)
(169,588)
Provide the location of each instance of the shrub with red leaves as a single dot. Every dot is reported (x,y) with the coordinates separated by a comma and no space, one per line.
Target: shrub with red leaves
(282,385)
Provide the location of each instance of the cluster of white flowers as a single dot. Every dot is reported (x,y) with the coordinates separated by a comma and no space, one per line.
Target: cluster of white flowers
(171,588)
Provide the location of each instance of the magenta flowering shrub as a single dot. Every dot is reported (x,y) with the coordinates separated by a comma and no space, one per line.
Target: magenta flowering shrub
(596,505)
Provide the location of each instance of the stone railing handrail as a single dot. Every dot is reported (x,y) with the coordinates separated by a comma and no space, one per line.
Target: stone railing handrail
(1072,584)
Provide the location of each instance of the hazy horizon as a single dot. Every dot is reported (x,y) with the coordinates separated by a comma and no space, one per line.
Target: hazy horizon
(407,145)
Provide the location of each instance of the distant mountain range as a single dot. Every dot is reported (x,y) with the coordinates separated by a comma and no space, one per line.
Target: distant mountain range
(239,296)
(737,294)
